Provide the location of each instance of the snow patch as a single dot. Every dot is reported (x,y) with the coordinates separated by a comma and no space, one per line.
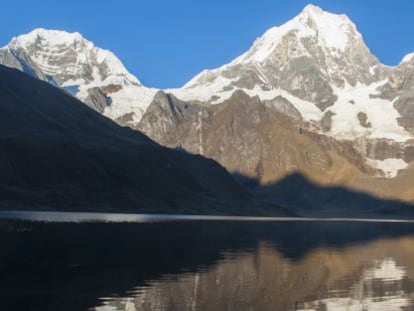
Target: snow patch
(380,112)
(372,69)
(389,166)
(306,108)
(130,99)
(205,91)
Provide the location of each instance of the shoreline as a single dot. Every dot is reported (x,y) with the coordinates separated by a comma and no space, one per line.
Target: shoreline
(104,217)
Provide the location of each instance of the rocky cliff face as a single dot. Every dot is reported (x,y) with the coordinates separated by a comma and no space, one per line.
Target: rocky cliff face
(249,137)
(261,145)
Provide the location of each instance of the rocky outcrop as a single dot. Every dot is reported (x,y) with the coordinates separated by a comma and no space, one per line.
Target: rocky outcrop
(97,100)
(363,119)
(250,138)
(284,106)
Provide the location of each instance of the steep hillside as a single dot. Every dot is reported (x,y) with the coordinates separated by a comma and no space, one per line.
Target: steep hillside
(57,153)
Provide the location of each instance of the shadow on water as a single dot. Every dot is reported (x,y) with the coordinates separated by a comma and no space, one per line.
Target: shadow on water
(47,266)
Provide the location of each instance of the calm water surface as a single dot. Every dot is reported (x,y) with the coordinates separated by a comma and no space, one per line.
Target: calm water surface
(206,265)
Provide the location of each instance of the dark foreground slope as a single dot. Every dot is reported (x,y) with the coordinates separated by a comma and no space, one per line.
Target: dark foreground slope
(56,153)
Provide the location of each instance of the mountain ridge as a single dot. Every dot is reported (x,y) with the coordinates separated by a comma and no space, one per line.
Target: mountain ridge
(318,65)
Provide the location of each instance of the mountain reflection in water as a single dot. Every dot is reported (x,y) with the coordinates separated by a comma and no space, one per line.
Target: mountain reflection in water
(207,265)
(375,276)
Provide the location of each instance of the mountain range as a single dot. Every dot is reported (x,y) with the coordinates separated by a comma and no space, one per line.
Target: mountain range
(308,97)
(57,153)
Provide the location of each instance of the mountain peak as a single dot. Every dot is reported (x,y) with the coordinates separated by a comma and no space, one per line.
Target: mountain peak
(333,31)
(310,60)
(72,60)
(48,36)
(316,11)
(311,8)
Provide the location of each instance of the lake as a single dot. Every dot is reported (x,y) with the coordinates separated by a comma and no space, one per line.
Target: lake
(173,263)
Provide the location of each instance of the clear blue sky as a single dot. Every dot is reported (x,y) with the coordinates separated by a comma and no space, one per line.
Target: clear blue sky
(166,42)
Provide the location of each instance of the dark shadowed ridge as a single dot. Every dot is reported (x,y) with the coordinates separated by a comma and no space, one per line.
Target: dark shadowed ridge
(301,195)
(58,154)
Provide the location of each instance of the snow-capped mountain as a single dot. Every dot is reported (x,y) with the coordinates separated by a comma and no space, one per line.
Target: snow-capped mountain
(315,68)
(316,50)
(94,75)
(319,62)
